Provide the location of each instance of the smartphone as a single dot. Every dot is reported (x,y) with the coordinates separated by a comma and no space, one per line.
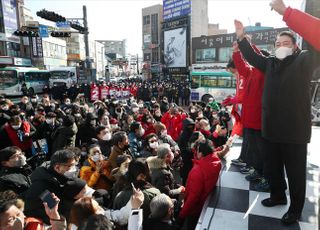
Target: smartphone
(47,197)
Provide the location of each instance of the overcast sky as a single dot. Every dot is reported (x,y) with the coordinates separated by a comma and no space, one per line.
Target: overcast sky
(121,19)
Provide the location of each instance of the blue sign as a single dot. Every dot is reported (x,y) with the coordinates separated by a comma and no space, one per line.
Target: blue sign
(63,24)
(195,96)
(175,8)
(43,31)
(9,14)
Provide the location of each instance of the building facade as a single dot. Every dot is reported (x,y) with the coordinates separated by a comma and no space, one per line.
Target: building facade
(75,49)
(151,40)
(199,18)
(115,46)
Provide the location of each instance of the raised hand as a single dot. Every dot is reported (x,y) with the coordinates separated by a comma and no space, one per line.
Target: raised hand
(137,198)
(239,29)
(279,6)
(53,213)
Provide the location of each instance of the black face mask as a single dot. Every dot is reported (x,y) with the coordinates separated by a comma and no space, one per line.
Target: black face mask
(125,147)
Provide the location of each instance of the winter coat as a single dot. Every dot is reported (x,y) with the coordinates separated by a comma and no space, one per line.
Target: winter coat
(44,178)
(162,177)
(185,149)
(304,24)
(95,179)
(201,181)
(287,84)
(64,136)
(177,162)
(20,138)
(252,99)
(44,131)
(15,179)
(135,145)
(147,189)
(115,152)
(155,224)
(86,134)
(173,124)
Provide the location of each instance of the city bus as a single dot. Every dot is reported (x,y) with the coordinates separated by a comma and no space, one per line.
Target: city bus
(216,83)
(63,75)
(17,81)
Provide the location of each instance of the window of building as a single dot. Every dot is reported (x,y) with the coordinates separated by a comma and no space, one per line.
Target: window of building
(155,55)
(154,29)
(206,55)
(225,53)
(146,20)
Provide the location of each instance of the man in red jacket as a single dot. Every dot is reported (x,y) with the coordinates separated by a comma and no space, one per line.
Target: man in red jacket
(251,119)
(201,181)
(302,23)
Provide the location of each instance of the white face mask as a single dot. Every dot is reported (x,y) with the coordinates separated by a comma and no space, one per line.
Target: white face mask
(207,127)
(141,132)
(171,157)
(16,127)
(192,110)
(135,109)
(283,52)
(49,121)
(96,157)
(72,172)
(107,137)
(154,145)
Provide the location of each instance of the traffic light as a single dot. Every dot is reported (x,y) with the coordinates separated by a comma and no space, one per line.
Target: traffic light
(60,34)
(51,16)
(81,29)
(25,33)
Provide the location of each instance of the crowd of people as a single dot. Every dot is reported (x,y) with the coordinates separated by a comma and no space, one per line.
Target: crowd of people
(67,162)
(141,160)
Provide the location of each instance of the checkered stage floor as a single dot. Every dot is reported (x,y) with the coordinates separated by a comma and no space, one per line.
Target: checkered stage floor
(238,207)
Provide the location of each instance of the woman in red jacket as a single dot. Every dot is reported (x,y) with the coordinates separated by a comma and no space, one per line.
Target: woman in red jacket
(201,181)
(302,23)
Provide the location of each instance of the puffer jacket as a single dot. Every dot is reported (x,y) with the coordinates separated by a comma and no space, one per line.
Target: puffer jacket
(201,181)
(96,179)
(162,177)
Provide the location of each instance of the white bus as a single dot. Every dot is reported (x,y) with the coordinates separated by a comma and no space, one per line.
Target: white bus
(216,83)
(17,81)
(63,75)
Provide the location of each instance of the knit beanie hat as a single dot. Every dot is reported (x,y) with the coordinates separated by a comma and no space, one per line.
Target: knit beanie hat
(73,188)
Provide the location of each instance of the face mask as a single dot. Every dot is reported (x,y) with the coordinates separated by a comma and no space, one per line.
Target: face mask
(163,133)
(114,126)
(158,113)
(200,115)
(96,157)
(107,137)
(207,127)
(21,162)
(149,120)
(49,121)
(67,102)
(141,132)
(5,108)
(283,52)
(72,172)
(192,110)
(93,123)
(16,127)
(153,102)
(135,109)
(33,100)
(171,156)
(154,145)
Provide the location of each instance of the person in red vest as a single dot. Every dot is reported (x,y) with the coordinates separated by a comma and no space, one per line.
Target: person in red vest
(306,25)
(17,132)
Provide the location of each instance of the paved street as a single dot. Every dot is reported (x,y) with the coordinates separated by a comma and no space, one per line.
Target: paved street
(237,206)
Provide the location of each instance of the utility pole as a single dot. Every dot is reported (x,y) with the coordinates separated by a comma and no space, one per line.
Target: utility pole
(86,36)
(138,64)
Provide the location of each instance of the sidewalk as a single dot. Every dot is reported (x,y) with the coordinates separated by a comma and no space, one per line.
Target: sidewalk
(237,206)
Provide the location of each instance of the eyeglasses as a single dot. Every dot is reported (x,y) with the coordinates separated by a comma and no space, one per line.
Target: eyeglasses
(69,165)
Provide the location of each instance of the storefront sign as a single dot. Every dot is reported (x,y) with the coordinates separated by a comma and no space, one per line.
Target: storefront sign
(176,8)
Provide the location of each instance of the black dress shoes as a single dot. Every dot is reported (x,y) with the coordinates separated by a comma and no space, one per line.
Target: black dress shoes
(290,218)
(270,203)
